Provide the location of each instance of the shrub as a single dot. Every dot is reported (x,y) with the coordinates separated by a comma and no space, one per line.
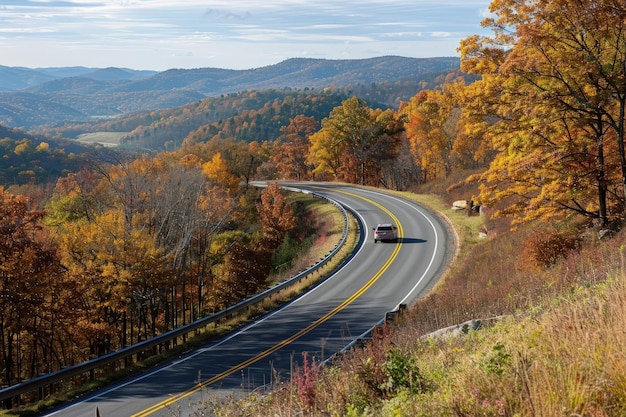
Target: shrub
(402,373)
(499,360)
(545,249)
(370,364)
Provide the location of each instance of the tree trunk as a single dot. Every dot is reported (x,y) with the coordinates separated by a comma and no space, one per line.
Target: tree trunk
(620,142)
(602,183)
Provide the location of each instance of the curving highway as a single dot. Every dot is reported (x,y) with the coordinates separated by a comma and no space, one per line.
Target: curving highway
(376,280)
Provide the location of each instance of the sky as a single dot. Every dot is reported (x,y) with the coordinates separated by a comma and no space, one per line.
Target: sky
(231,34)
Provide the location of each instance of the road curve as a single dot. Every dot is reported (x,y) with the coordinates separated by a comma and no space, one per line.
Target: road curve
(376,280)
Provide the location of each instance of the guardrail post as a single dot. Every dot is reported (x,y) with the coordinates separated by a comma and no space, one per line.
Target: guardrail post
(390,316)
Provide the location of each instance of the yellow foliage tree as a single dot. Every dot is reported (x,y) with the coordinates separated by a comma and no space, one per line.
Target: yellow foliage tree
(553,79)
(217,170)
(431,143)
(354,141)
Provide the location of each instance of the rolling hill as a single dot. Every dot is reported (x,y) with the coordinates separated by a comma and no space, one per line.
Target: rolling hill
(31,98)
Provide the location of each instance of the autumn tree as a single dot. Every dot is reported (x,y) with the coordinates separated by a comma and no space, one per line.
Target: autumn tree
(470,120)
(35,300)
(354,141)
(431,141)
(217,170)
(401,171)
(238,159)
(275,214)
(74,198)
(217,205)
(553,74)
(244,158)
(396,167)
(325,155)
(246,269)
(292,148)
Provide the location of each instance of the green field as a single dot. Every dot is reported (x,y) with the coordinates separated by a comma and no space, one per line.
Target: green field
(109,139)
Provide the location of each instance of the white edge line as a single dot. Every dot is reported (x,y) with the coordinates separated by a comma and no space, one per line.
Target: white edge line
(222,341)
(416,207)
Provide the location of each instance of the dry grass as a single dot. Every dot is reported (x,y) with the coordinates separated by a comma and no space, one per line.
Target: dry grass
(564,357)
(559,351)
(109,139)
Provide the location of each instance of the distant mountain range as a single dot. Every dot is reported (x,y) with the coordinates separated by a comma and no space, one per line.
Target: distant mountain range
(20,78)
(44,96)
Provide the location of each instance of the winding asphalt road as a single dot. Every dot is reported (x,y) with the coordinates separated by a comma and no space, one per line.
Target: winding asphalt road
(376,280)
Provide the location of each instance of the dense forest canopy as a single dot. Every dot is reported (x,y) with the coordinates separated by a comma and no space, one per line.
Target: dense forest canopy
(33,159)
(251,116)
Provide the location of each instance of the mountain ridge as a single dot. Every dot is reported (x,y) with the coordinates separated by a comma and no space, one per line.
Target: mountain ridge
(89,93)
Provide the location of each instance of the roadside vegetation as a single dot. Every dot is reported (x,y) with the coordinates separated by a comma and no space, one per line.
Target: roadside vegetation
(550,340)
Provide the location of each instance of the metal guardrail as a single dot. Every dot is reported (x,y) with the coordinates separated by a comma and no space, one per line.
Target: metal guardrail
(366,336)
(85,367)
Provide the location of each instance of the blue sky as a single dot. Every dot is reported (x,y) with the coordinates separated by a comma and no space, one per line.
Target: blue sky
(234,34)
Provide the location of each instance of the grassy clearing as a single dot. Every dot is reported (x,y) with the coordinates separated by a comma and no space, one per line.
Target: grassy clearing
(108,139)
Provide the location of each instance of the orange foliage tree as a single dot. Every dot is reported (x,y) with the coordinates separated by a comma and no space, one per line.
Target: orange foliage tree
(554,75)
(431,141)
(275,214)
(292,148)
(37,303)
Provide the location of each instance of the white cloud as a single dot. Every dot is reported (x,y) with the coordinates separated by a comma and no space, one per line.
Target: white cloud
(161,34)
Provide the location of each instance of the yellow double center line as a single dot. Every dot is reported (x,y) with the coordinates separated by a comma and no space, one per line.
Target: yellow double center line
(175,398)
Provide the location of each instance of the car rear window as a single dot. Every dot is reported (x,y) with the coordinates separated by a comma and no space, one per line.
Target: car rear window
(384,228)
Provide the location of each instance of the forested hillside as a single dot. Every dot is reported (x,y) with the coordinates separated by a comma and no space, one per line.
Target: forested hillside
(247,115)
(32,159)
(58,96)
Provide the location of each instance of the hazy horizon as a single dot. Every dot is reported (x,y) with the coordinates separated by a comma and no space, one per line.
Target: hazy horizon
(238,69)
(158,35)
